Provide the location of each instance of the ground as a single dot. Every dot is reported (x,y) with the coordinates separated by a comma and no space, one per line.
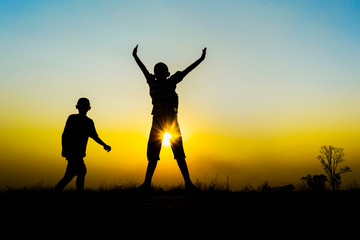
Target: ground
(165,214)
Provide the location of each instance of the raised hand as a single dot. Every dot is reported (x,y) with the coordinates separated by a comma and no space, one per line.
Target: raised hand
(203,54)
(140,64)
(195,64)
(135,50)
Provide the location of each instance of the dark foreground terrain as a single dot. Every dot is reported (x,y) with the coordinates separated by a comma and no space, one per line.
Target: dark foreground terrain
(129,214)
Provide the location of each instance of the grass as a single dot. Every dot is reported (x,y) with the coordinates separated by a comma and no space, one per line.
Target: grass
(214,184)
(171,212)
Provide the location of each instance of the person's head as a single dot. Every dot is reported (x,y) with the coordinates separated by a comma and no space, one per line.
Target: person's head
(83,105)
(161,71)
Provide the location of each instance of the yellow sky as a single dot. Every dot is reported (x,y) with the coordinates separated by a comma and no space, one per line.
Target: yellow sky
(32,153)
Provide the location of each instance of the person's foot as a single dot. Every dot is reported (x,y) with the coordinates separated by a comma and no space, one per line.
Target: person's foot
(144,188)
(192,188)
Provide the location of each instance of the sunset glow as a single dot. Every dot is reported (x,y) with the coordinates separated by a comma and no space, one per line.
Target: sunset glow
(280,80)
(166,139)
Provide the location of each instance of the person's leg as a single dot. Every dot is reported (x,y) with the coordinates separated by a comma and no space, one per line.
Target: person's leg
(69,175)
(80,180)
(149,174)
(153,151)
(184,171)
(179,153)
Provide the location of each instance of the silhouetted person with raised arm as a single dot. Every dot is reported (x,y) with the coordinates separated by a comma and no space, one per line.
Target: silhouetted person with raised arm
(165,108)
(77,130)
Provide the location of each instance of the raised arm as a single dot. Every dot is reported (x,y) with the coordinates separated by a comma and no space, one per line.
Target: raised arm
(140,64)
(195,64)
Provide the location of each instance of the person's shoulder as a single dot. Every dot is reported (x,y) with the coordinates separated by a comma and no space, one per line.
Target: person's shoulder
(72,116)
(89,120)
(150,78)
(177,77)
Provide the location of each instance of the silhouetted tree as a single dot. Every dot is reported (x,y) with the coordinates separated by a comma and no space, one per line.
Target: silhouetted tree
(330,157)
(315,182)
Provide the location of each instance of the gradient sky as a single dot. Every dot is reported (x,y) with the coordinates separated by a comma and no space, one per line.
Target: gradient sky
(281,79)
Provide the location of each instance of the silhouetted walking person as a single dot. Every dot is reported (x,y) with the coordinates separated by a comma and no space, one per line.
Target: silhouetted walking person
(77,130)
(165,108)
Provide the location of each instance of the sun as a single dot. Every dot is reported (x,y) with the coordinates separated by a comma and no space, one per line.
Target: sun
(166,139)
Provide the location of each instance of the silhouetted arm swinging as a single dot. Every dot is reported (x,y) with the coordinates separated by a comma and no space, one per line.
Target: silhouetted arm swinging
(195,64)
(99,141)
(140,64)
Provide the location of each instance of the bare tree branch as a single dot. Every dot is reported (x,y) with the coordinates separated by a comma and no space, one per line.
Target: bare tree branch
(330,157)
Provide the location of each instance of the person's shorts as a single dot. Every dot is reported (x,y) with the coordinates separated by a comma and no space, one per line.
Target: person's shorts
(75,167)
(165,123)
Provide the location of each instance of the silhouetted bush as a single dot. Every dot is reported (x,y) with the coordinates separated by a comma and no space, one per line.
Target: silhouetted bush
(315,182)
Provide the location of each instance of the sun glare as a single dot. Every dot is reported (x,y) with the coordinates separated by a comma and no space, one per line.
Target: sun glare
(166,139)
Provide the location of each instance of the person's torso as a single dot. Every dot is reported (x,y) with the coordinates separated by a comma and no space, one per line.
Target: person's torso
(164,96)
(76,136)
